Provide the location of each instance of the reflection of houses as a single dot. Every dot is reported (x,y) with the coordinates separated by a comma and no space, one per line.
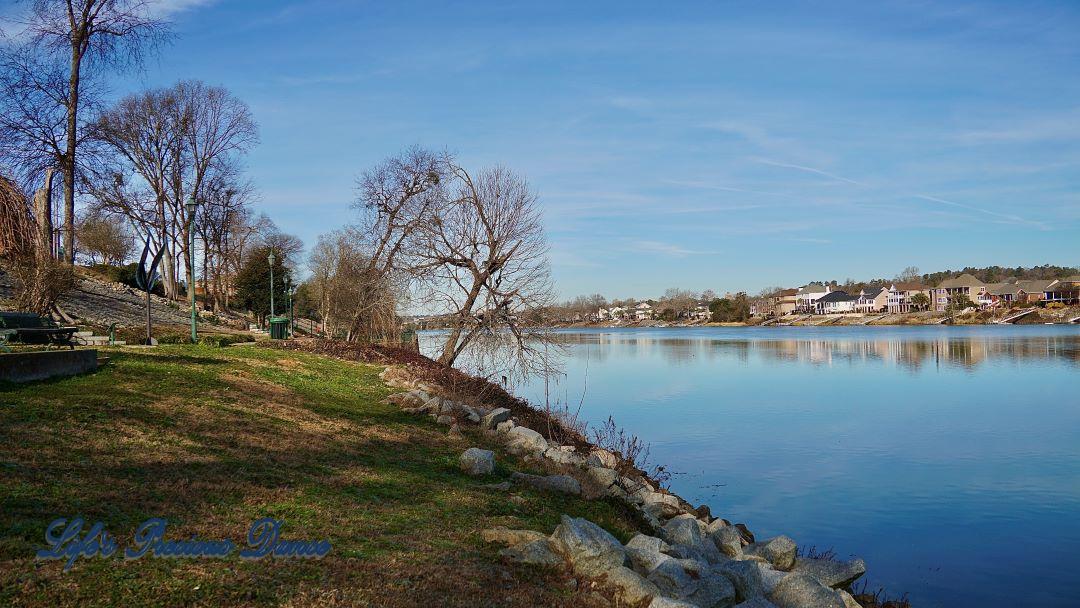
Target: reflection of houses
(835,302)
(807,296)
(900,296)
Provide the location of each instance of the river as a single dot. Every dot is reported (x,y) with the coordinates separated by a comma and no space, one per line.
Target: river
(947,457)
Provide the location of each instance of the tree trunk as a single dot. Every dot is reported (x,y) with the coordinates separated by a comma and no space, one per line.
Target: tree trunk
(68,161)
(43,213)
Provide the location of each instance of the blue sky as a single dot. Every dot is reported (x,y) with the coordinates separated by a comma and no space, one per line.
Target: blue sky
(702,145)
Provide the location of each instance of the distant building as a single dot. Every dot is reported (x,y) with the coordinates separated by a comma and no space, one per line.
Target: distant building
(872,300)
(900,295)
(965,284)
(835,302)
(785,302)
(1065,291)
(807,296)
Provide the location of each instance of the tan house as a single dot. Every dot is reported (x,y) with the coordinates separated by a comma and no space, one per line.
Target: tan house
(872,300)
(900,295)
(1065,291)
(965,284)
(784,302)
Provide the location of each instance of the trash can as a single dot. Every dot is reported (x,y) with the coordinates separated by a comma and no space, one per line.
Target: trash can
(279,328)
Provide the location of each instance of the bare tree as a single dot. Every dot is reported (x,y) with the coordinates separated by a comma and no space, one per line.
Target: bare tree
(487,256)
(67,40)
(354,299)
(106,238)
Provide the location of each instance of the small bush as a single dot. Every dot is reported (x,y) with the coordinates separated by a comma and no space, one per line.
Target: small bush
(222,340)
(173,339)
(1055,305)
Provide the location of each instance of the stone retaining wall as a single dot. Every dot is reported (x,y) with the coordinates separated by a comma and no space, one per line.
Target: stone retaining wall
(40,365)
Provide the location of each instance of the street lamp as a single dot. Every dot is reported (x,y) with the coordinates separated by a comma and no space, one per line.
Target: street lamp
(288,291)
(191,206)
(271,259)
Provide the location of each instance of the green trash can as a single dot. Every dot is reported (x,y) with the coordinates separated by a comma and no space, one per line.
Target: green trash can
(279,328)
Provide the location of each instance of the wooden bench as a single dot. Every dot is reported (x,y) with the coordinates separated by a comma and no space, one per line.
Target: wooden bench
(29,328)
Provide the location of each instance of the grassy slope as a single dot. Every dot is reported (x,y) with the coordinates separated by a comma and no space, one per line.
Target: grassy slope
(212,439)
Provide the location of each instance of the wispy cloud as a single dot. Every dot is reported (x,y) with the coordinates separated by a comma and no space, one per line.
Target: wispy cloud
(806,169)
(168,8)
(669,249)
(1013,219)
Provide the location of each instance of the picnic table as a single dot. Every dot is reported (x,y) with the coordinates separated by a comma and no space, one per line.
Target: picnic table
(30,328)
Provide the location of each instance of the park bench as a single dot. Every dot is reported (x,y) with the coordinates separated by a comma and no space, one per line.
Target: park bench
(29,328)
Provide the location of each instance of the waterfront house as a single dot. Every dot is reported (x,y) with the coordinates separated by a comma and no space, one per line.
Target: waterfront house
(835,302)
(643,311)
(900,294)
(806,297)
(1065,291)
(1005,294)
(785,302)
(872,300)
(1035,290)
(964,284)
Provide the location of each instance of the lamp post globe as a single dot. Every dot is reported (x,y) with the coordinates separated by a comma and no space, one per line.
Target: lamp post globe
(191,206)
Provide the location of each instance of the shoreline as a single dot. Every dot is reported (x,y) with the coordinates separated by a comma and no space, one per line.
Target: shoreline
(682,553)
(1062,316)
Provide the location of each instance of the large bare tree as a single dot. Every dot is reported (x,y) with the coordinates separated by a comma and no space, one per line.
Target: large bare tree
(66,41)
(487,257)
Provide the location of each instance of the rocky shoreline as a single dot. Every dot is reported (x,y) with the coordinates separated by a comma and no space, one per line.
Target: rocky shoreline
(682,557)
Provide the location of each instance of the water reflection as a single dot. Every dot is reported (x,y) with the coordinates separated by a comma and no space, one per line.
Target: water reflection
(911,352)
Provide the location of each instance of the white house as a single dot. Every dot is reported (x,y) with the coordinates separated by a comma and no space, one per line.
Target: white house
(808,295)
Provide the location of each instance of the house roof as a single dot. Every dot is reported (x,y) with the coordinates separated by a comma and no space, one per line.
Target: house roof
(1002,289)
(812,288)
(788,292)
(909,286)
(964,280)
(1036,286)
(836,296)
(872,292)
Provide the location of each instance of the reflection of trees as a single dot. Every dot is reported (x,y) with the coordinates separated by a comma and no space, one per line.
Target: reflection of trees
(909,352)
(912,352)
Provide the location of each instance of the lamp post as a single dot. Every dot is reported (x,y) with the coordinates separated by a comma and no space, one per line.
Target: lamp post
(288,291)
(271,259)
(191,206)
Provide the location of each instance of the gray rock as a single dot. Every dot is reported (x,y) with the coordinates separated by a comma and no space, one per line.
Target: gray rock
(750,578)
(551,483)
(497,415)
(802,591)
(849,602)
(648,543)
(779,551)
(757,602)
(672,579)
(666,602)
(599,481)
(644,561)
(602,458)
(728,540)
(475,461)
(831,573)
(538,552)
(714,590)
(633,589)
(504,427)
(591,549)
(688,531)
(561,456)
(523,440)
(508,537)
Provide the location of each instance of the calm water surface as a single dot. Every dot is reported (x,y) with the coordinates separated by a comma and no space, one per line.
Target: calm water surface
(947,457)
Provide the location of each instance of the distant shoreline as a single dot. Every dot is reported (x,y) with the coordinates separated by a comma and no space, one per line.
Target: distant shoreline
(1042,316)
